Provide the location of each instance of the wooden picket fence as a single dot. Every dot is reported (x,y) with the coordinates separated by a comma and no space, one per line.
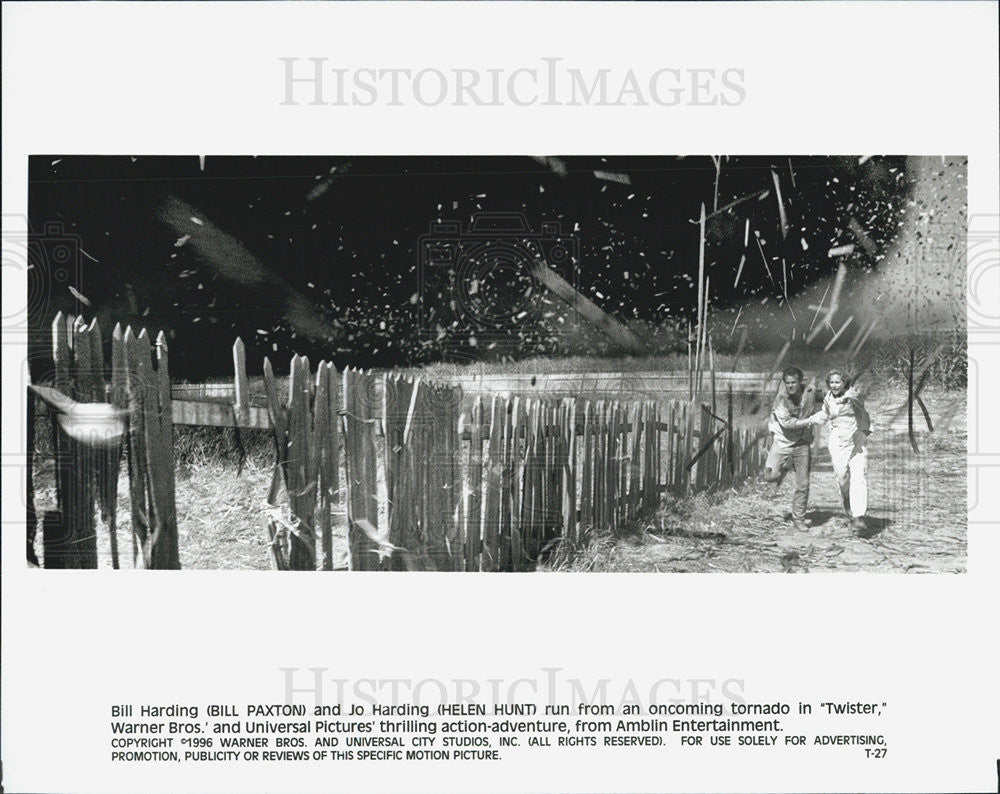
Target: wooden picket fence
(306,465)
(425,485)
(495,494)
(87,469)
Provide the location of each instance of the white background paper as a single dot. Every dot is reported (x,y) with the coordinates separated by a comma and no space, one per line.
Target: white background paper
(179,78)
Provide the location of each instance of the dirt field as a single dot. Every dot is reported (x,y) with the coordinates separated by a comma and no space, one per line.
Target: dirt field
(917,516)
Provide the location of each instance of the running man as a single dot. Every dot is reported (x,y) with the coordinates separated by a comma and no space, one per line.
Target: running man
(791,425)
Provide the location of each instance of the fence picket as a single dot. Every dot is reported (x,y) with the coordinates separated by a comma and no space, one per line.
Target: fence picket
(553,498)
(322,463)
(511,549)
(650,442)
(491,512)
(661,468)
(151,439)
(609,467)
(411,508)
(361,476)
(167,546)
(301,485)
(136,447)
(528,488)
(150,431)
(441,522)
(541,490)
(569,474)
(622,456)
(517,429)
(110,467)
(396,395)
(637,460)
(58,551)
(474,489)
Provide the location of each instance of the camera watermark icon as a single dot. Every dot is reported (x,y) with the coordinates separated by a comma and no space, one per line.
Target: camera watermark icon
(983,457)
(497,279)
(50,260)
(983,302)
(983,291)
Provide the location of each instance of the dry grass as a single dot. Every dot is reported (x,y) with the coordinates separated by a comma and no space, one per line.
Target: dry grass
(220,504)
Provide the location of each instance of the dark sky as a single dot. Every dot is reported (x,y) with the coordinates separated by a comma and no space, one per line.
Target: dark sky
(322,255)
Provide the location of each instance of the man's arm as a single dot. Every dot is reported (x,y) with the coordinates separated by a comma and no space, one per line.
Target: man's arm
(787,421)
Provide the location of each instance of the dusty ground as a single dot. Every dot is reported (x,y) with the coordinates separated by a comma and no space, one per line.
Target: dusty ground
(218,517)
(220,505)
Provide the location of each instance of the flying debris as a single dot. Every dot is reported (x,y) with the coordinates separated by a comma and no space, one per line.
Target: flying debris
(820,306)
(323,183)
(866,242)
(860,342)
(79,296)
(96,424)
(781,356)
(781,205)
(759,195)
(229,258)
(554,164)
(613,176)
(841,250)
(836,336)
(319,189)
(739,270)
(763,258)
(736,321)
(838,285)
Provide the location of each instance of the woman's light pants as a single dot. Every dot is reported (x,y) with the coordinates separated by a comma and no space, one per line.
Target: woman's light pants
(849,463)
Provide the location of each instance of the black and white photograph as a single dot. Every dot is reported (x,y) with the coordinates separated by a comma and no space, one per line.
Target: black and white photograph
(632,364)
(454,395)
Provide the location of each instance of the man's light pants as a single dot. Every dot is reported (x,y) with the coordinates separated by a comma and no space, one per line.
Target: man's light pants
(849,463)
